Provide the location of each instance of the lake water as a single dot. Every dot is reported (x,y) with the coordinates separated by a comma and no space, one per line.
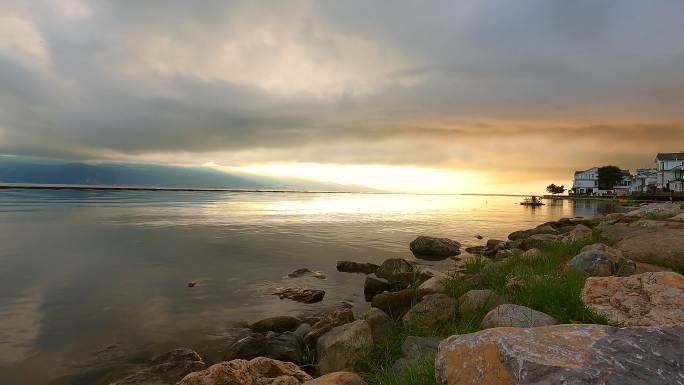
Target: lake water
(90,280)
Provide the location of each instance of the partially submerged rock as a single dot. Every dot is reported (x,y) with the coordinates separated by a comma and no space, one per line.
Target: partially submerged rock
(338,378)
(374,286)
(475,301)
(509,315)
(438,247)
(278,324)
(306,272)
(300,294)
(340,348)
(259,371)
(601,260)
(327,323)
(166,368)
(432,310)
(563,354)
(397,303)
(646,299)
(286,346)
(356,267)
(394,266)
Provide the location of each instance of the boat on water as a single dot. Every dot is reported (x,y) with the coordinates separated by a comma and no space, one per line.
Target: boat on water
(533,201)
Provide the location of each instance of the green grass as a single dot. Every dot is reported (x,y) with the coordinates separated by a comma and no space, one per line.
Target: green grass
(548,285)
(658,216)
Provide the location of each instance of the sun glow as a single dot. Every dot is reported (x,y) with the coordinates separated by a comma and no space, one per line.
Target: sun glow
(386,178)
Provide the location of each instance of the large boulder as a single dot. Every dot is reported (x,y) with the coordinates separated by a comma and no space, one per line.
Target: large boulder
(374,286)
(278,324)
(394,266)
(432,310)
(397,303)
(167,368)
(325,324)
(657,246)
(437,247)
(476,301)
(646,299)
(259,371)
(338,378)
(286,346)
(563,354)
(356,267)
(413,350)
(299,294)
(340,348)
(380,323)
(578,233)
(509,315)
(602,260)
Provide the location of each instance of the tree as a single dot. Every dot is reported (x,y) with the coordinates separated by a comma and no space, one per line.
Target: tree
(553,189)
(609,176)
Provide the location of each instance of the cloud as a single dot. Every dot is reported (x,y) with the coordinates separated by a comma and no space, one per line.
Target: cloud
(525,90)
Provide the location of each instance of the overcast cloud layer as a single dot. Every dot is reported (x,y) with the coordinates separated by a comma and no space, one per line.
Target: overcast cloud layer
(521,89)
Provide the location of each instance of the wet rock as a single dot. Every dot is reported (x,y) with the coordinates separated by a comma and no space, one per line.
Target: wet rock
(415,349)
(509,315)
(475,301)
(167,368)
(492,243)
(601,260)
(327,323)
(432,310)
(278,324)
(392,267)
(373,286)
(304,272)
(647,299)
(657,246)
(356,267)
(541,229)
(300,294)
(563,354)
(340,348)
(401,281)
(286,346)
(259,371)
(312,315)
(338,378)
(302,330)
(380,323)
(431,246)
(397,303)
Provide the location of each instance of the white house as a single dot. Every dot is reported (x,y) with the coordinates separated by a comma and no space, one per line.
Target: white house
(586,182)
(645,179)
(670,171)
(624,186)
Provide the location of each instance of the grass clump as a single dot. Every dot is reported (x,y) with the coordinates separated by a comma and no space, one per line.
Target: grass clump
(658,216)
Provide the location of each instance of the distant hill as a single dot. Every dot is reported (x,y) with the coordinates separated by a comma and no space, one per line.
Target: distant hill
(38,171)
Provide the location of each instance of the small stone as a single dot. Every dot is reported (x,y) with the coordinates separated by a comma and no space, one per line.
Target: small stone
(532,253)
(475,301)
(300,294)
(192,284)
(306,272)
(431,246)
(356,267)
(509,315)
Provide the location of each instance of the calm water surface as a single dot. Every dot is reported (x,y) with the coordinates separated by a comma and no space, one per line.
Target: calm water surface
(91,280)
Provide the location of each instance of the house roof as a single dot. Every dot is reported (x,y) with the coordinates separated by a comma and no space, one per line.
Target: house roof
(670,156)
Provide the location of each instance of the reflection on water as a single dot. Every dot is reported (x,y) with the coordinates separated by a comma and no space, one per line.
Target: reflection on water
(93,279)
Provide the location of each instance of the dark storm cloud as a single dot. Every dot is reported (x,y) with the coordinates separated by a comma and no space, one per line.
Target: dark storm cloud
(447,84)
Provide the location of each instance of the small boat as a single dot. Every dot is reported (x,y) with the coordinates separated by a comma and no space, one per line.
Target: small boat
(532,201)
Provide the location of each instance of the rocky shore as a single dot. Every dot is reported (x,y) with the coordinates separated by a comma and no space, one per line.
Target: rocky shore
(574,301)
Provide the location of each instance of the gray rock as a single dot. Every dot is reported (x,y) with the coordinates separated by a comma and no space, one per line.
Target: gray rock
(167,368)
(532,253)
(300,294)
(509,315)
(286,347)
(476,301)
(374,286)
(476,249)
(380,323)
(563,354)
(278,324)
(432,310)
(394,266)
(306,272)
(340,348)
(431,246)
(602,260)
(414,349)
(432,285)
(338,378)
(327,323)
(356,267)
(302,330)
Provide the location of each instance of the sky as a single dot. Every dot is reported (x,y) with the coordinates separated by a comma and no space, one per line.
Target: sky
(439,96)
